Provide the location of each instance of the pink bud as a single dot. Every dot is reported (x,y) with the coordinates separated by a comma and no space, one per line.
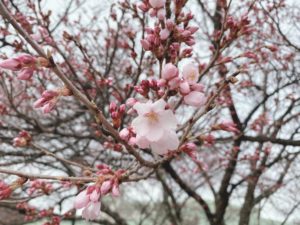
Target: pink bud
(143,7)
(174,83)
(81,200)
(115,189)
(124,134)
(196,99)
(192,29)
(197,87)
(25,74)
(112,107)
(164,34)
(10,64)
(145,44)
(132,141)
(169,71)
(130,102)
(190,73)
(95,195)
(161,14)
(170,24)
(186,34)
(106,187)
(184,87)
(161,83)
(157,3)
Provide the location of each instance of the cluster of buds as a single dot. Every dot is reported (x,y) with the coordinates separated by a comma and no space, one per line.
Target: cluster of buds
(49,99)
(90,199)
(155,8)
(260,122)
(25,64)
(235,28)
(186,85)
(114,146)
(42,35)
(146,86)
(226,126)
(55,220)
(156,37)
(208,140)
(39,186)
(30,212)
(22,140)
(191,150)
(128,135)
(116,113)
(6,190)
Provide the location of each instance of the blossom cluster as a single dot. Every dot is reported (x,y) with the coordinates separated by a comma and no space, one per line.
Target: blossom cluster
(25,65)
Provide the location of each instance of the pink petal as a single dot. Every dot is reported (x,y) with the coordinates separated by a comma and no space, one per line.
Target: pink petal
(157,3)
(81,200)
(92,211)
(142,142)
(195,98)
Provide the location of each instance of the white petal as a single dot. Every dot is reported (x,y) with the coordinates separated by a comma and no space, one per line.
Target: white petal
(142,142)
(169,141)
(142,108)
(159,105)
(155,132)
(167,120)
(140,125)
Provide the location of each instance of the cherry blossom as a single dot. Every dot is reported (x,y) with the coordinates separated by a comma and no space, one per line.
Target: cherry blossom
(155,127)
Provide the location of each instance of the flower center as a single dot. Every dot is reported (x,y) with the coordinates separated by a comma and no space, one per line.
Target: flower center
(192,76)
(152,116)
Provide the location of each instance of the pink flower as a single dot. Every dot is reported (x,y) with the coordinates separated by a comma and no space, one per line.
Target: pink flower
(91,211)
(157,3)
(190,73)
(169,71)
(195,98)
(155,127)
(89,200)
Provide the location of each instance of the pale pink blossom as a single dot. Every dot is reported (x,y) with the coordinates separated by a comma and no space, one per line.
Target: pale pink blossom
(190,73)
(161,14)
(157,3)
(195,98)
(89,200)
(164,34)
(184,87)
(169,71)
(125,134)
(91,211)
(155,127)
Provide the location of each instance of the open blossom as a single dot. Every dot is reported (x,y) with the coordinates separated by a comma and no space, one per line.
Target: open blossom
(89,200)
(190,73)
(155,127)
